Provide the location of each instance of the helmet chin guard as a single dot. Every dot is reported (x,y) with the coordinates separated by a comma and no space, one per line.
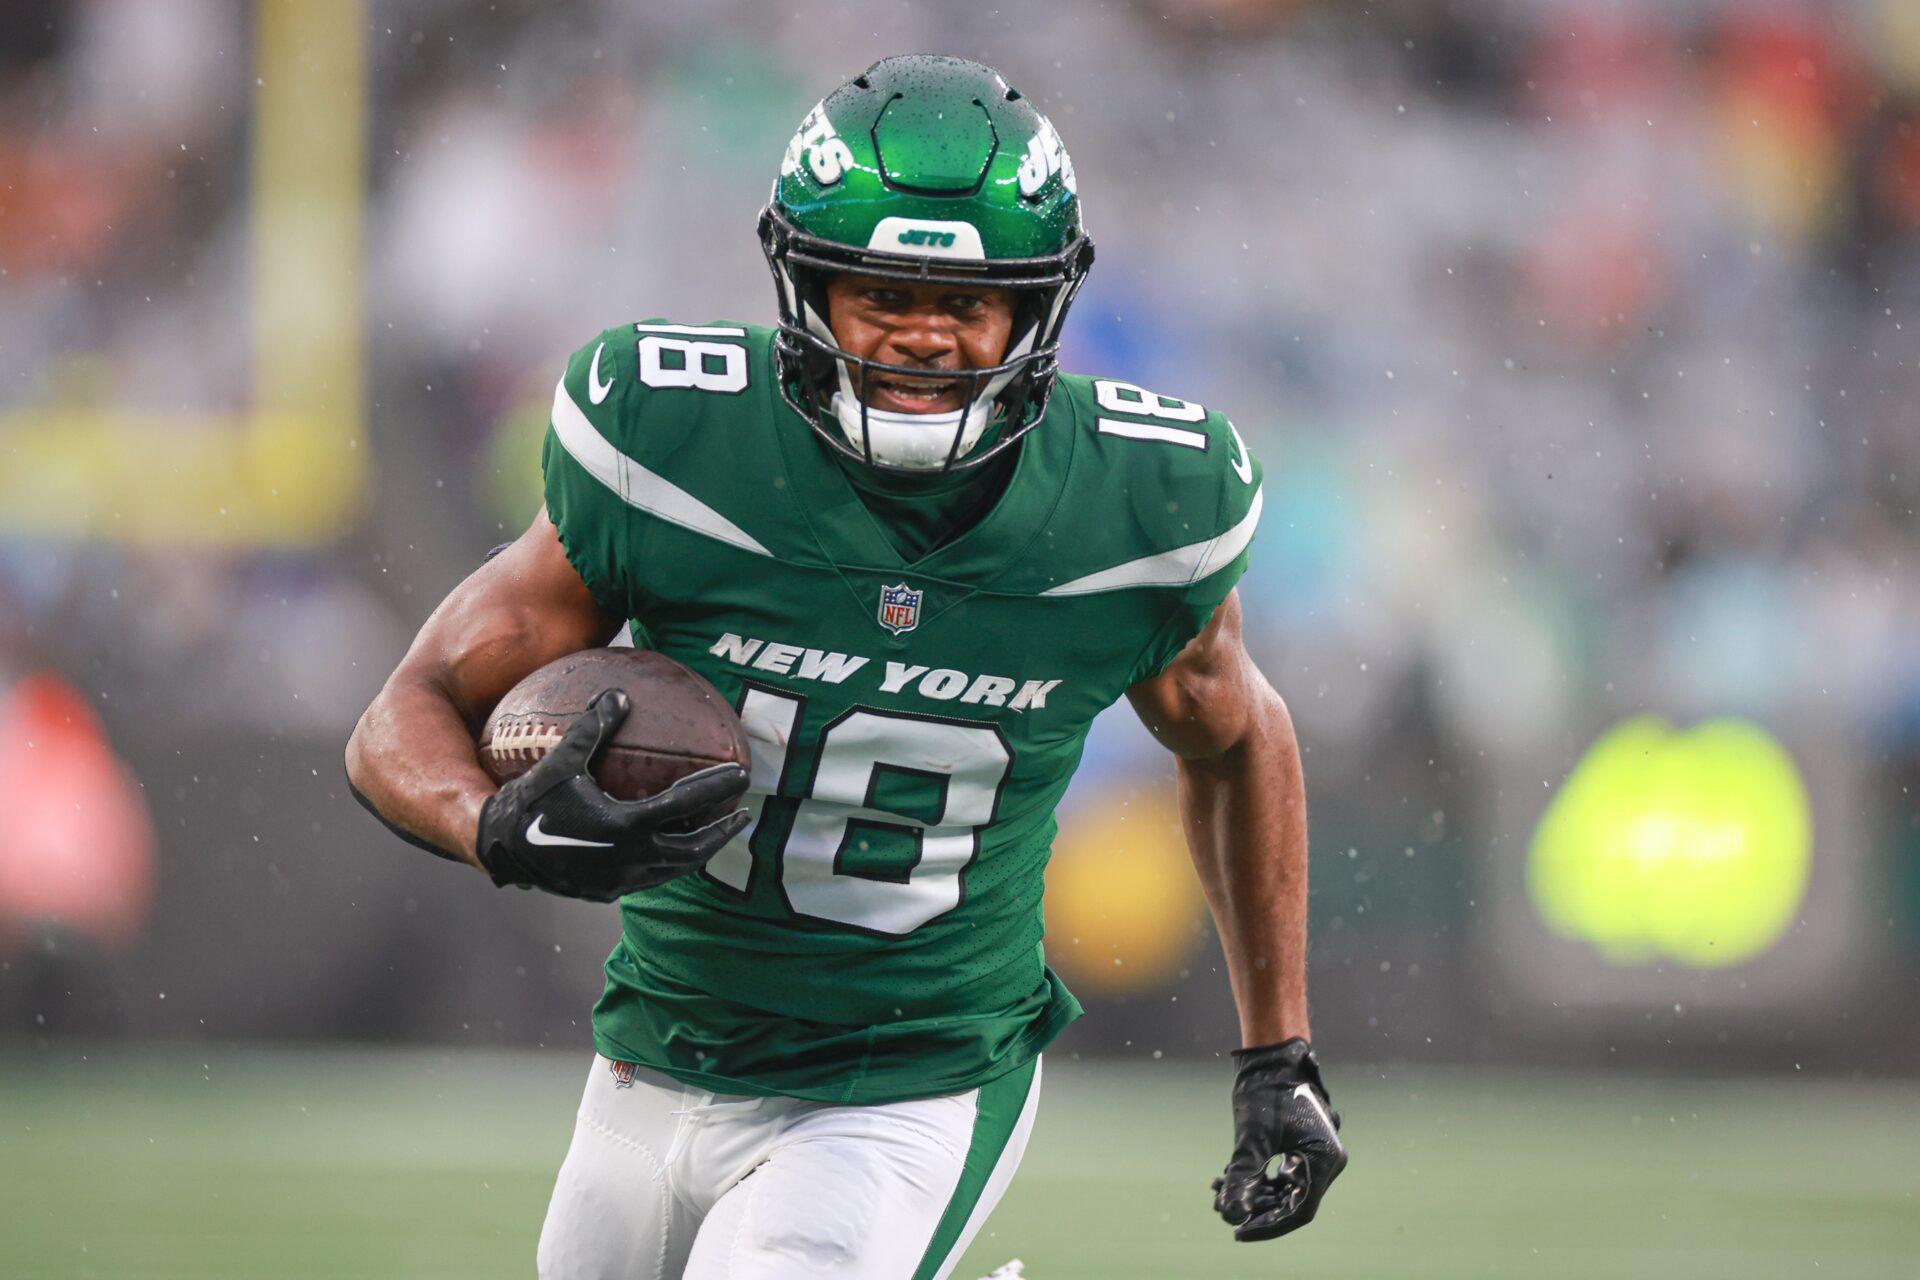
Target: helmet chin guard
(910,441)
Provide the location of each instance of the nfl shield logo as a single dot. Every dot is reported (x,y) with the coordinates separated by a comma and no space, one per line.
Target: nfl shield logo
(900,608)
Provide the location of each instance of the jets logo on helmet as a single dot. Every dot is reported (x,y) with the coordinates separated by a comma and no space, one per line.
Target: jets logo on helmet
(924,169)
(1045,157)
(819,147)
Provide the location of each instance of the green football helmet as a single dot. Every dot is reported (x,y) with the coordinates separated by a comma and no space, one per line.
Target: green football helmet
(924,169)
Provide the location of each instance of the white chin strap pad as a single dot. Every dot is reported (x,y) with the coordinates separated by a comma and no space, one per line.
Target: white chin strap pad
(913,441)
(920,441)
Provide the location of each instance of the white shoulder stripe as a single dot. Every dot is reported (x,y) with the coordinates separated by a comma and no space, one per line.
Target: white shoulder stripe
(637,486)
(1175,568)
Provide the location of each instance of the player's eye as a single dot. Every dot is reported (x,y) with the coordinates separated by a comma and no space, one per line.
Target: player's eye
(888,298)
(964,302)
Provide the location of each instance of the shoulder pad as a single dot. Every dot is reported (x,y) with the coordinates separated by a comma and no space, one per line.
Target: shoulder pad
(1180,471)
(656,414)
(644,386)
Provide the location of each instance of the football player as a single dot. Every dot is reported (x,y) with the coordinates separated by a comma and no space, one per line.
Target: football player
(920,560)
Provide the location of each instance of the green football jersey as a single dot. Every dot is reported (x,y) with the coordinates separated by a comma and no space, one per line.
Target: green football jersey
(875,934)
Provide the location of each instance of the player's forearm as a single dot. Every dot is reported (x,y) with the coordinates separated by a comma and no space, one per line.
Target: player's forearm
(411,758)
(1245,814)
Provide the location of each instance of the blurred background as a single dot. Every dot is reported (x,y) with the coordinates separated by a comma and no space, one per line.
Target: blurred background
(1578,339)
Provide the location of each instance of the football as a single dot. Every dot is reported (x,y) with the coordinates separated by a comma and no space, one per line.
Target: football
(679,723)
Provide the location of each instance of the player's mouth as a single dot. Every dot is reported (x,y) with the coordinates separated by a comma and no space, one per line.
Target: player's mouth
(913,395)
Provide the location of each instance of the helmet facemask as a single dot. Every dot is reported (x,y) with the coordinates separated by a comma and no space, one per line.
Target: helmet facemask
(821,380)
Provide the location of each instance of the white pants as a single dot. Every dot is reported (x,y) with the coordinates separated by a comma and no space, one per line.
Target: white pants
(668,1182)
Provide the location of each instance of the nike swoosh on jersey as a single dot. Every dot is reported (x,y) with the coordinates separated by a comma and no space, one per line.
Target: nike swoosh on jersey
(535,835)
(1242,464)
(596,388)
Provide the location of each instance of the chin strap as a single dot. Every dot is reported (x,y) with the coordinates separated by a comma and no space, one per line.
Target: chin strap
(919,441)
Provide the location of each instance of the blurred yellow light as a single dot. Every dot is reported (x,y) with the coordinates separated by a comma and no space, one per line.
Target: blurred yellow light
(1123,904)
(1694,846)
(291,471)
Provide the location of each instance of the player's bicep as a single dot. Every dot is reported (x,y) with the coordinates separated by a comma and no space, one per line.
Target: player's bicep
(519,610)
(1205,701)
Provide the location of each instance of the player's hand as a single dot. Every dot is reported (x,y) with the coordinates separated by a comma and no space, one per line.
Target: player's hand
(553,827)
(1281,1118)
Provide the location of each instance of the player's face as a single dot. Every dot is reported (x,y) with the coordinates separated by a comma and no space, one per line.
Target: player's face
(923,326)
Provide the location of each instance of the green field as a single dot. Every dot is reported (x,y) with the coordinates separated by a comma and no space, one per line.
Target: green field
(205,1166)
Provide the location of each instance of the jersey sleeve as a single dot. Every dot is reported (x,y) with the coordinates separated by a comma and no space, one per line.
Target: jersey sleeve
(1228,481)
(593,407)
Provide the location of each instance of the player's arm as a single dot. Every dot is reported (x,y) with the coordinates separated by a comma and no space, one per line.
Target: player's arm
(1244,807)
(411,757)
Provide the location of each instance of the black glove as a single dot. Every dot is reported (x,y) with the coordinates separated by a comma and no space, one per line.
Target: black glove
(1280,1109)
(553,828)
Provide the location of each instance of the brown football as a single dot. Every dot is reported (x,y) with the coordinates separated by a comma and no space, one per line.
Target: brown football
(679,723)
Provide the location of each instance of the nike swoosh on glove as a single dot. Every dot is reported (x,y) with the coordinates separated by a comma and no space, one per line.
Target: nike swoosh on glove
(1287,1148)
(554,828)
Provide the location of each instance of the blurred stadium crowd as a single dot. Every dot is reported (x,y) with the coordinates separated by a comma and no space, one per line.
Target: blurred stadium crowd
(1578,338)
